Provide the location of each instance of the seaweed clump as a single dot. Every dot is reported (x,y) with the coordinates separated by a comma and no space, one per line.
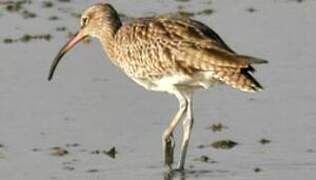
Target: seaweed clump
(217,127)
(111,153)
(59,151)
(27,38)
(224,144)
(19,7)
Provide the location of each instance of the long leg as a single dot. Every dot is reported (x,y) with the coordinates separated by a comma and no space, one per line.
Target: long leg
(167,137)
(187,129)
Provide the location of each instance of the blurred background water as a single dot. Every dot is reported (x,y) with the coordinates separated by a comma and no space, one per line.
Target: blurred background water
(59,129)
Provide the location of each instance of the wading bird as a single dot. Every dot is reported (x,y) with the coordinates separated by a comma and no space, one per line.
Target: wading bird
(167,53)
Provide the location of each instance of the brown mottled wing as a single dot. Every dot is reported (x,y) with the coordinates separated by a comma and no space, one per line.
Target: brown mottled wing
(171,44)
(204,50)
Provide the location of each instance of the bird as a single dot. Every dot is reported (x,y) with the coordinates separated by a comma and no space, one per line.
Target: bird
(166,53)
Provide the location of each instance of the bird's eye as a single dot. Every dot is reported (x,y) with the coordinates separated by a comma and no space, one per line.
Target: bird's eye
(84,22)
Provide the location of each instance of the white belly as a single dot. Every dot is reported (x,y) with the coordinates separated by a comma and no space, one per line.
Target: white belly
(168,83)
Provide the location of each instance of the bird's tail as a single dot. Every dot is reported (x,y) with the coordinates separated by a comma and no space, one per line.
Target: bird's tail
(241,79)
(253,60)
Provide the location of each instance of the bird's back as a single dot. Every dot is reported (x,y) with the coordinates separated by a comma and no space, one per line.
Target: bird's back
(156,47)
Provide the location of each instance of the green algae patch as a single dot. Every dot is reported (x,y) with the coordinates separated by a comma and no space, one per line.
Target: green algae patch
(185,13)
(93,170)
(61,29)
(111,152)
(19,7)
(257,170)
(224,144)
(264,141)
(251,9)
(47,4)
(217,127)
(204,159)
(59,151)
(26,38)
(64,1)
(8,40)
(206,12)
(182,0)
(53,18)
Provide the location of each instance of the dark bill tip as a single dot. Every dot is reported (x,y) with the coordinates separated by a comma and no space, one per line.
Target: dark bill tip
(71,43)
(55,63)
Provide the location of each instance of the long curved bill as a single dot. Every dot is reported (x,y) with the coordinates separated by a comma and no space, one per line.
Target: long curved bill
(71,43)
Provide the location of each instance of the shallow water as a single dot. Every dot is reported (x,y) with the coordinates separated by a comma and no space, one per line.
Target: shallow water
(91,104)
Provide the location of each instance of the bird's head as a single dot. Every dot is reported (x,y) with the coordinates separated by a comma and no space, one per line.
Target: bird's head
(99,20)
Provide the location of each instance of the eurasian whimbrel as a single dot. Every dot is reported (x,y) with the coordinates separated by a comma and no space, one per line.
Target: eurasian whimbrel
(169,53)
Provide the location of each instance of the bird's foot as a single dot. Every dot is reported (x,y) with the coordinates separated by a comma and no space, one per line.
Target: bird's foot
(179,168)
(172,173)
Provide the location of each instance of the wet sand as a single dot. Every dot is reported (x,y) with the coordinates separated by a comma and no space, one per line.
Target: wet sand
(63,129)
